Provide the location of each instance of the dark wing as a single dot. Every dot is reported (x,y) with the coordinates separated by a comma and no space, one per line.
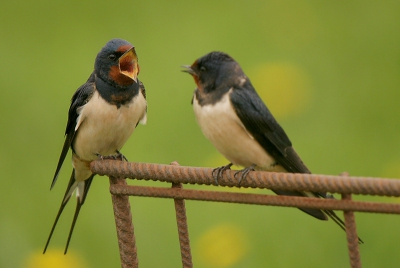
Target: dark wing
(261,124)
(142,89)
(80,98)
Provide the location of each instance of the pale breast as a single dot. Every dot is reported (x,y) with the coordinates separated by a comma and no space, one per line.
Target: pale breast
(223,128)
(103,128)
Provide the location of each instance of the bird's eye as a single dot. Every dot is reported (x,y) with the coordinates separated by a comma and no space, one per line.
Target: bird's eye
(202,68)
(112,56)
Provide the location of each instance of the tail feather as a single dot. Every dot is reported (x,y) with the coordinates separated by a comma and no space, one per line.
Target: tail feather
(336,219)
(64,151)
(80,200)
(81,197)
(63,204)
(316,213)
(339,222)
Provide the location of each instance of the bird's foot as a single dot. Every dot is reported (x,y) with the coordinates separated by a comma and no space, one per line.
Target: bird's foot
(244,172)
(121,156)
(117,156)
(99,156)
(217,172)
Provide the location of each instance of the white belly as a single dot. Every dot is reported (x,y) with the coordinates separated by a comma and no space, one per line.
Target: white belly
(103,128)
(223,128)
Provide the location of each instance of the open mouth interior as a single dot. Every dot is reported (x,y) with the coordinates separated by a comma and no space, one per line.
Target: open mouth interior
(126,65)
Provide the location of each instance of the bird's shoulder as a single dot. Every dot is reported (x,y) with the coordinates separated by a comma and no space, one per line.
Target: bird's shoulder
(143,119)
(81,96)
(142,89)
(255,115)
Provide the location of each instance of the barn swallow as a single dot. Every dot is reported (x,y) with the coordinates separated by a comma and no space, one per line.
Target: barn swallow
(104,112)
(233,117)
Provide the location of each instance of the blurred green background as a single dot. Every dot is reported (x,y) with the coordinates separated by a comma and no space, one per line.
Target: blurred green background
(328,70)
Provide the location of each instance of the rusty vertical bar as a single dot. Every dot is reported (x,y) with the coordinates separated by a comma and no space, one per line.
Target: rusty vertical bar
(123,222)
(183,231)
(352,237)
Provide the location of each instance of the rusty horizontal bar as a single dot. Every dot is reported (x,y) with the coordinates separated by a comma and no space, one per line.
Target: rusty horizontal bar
(256,199)
(255,179)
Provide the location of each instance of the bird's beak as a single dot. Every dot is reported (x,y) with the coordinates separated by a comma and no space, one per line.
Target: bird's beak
(188,69)
(128,64)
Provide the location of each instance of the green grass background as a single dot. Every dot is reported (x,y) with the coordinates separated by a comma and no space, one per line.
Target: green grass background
(329,71)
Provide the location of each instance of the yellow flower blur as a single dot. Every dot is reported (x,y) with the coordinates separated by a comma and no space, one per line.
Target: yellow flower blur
(55,259)
(222,246)
(284,87)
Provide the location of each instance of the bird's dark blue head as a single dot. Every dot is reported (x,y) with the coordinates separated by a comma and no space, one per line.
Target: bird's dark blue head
(214,70)
(117,63)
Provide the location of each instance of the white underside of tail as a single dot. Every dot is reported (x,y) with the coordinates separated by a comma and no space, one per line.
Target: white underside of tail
(79,187)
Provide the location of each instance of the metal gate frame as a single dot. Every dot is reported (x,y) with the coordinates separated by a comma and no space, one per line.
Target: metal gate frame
(176,175)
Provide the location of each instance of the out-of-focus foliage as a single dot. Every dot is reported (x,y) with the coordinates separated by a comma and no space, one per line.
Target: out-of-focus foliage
(328,70)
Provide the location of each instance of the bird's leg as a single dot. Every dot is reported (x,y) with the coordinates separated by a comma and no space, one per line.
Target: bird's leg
(217,172)
(117,156)
(244,172)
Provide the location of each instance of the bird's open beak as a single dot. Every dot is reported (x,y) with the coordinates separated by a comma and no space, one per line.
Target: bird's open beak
(188,69)
(128,64)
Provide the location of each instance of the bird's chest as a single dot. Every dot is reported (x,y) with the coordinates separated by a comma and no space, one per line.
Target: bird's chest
(220,124)
(217,121)
(103,128)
